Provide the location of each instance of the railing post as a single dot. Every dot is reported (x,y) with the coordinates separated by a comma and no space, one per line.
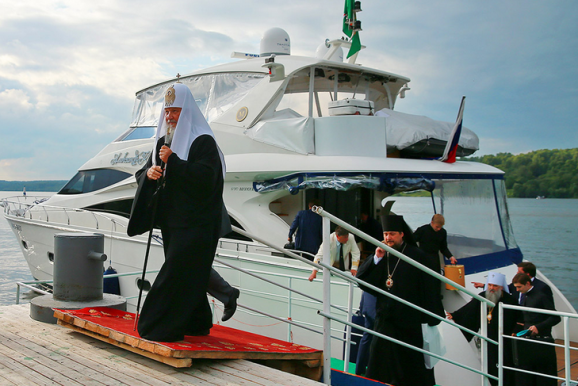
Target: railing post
(567,365)
(289,301)
(348,329)
(17,293)
(500,344)
(484,333)
(326,303)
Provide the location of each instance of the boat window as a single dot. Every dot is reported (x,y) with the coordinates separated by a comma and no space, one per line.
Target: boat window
(474,221)
(91,180)
(142,132)
(214,94)
(349,84)
(120,207)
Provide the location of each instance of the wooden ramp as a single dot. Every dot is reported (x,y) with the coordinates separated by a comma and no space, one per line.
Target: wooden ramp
(35,353)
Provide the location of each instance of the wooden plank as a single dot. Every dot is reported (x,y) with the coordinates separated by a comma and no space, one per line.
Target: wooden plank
(167,360)
(96,356)
(105,357)
(86,363)
(27,368)
(50,366)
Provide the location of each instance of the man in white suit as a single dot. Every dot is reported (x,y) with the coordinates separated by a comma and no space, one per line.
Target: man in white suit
(343,250)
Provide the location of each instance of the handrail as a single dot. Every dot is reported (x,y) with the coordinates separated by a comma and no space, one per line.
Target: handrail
(565,318)
(484,302)
(319,210)
(44,207)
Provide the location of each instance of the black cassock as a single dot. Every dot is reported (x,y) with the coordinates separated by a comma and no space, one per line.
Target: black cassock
(189,213)
(390,362)
(469,317)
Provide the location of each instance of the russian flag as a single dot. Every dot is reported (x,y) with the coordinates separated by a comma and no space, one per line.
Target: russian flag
(449,155)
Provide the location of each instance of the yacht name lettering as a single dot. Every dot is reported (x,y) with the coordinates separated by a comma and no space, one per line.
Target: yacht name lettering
(242,188)
(139,158)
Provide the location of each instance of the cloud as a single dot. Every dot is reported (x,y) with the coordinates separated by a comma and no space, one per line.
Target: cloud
(71,69)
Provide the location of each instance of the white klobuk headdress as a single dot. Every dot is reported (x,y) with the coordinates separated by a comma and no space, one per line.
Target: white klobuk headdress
(191,124)
(497,278)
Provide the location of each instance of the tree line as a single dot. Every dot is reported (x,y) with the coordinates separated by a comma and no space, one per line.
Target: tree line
(548,173)
(31,186)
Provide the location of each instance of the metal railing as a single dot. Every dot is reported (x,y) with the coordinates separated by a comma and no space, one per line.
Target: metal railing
(328,270)
(565,319)
(14,206)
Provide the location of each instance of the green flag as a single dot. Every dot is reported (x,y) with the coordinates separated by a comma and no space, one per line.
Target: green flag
(349,17)
(355,45)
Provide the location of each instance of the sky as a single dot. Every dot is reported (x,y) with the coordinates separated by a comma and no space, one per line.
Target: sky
(69,70)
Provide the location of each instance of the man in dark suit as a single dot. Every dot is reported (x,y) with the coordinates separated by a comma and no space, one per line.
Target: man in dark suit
(307,227)
(531,355)
(530,270)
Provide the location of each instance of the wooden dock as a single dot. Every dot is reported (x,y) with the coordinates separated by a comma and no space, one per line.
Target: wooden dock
(35,353)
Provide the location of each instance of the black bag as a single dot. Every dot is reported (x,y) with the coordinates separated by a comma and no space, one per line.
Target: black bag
(289,245)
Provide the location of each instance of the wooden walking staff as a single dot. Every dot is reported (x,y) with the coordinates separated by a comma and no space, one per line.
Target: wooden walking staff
(154,203)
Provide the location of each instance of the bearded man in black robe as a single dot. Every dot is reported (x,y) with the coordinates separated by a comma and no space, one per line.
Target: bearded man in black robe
(188,176)
(469,315)
(390,362)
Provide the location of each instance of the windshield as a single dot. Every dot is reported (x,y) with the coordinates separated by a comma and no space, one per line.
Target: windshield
(91,180)
(214,94)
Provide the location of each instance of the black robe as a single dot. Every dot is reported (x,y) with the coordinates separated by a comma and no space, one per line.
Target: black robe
(189,214)
(533,356)
(390,362)
(469,317)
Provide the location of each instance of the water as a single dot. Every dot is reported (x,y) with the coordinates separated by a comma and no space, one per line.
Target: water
(545,231)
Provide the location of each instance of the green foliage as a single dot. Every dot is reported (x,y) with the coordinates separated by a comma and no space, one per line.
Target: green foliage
(549,173)
(31,186)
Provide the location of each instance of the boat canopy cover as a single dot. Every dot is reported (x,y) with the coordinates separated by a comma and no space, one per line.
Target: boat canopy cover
(385,182)
(405,130)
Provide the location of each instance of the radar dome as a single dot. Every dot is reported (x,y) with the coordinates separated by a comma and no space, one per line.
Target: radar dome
(275,41)
(323,49)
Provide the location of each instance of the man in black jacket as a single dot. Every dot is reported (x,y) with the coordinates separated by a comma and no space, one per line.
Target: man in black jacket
(531,355)
(390,362)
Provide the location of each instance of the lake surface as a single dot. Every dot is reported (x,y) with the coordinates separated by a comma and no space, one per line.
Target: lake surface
(545,230)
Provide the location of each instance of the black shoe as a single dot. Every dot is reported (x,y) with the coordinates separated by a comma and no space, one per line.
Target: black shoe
(231,306)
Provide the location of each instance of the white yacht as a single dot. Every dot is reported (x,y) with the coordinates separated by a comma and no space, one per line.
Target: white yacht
(292,129)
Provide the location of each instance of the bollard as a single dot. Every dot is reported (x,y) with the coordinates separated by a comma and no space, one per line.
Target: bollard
(78,267)
(78,277)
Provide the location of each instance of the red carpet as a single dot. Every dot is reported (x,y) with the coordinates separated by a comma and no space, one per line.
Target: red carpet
(220,339)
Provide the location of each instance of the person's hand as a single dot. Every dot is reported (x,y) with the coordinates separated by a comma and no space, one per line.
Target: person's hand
(379,252)
(165,153)
(154,172)
(288,238)
(353,272)
(449,316)
(313,275)
(453,260)
(534,330)
(478,284)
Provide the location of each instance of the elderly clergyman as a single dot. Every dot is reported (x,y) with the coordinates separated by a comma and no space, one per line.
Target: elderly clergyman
(190,214)
(496,290)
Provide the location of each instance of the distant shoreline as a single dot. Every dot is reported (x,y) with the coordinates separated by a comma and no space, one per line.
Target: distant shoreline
(32,186)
